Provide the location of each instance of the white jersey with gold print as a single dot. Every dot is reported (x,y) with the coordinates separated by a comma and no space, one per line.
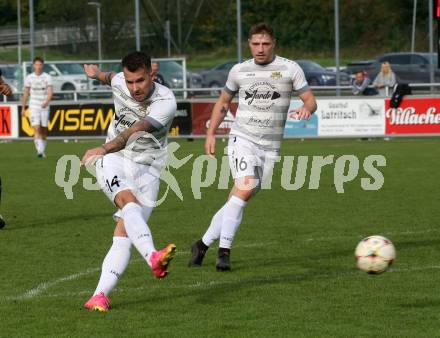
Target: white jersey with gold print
(158,108)
(38,88)
(264,93)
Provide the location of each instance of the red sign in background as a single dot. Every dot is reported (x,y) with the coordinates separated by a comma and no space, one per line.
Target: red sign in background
(414,116)
(5,121)
(201,116)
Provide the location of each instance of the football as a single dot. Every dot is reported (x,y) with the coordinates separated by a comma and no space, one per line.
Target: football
(374,254)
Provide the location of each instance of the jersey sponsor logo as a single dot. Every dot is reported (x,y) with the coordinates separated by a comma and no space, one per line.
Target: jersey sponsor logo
(262,123)
(261,95)
(141,110)
(123,120)
(276,75)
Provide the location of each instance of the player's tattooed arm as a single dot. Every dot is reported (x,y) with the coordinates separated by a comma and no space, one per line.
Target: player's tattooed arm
(219,113)
(120,141)
(93,72)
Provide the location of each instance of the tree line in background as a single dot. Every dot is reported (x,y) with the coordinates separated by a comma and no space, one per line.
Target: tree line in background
(367,27)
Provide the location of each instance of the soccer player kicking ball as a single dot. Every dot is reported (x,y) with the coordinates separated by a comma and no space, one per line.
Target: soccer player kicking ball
(38,86)
(264,86)
(127,169)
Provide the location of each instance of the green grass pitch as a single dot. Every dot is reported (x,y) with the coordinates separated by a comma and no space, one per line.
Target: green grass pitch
(293,275)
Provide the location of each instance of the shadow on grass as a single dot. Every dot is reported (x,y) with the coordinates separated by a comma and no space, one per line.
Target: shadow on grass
(224,288)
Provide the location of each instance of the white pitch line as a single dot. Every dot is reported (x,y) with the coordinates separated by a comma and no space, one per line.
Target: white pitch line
(215,283)
(406,232)
(44,286)
(40,288)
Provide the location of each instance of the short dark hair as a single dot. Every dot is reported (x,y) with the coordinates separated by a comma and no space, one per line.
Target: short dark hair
(136,60)
(38,58)
(260,28)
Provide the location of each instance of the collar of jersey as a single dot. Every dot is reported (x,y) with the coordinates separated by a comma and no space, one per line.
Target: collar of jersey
(266,63)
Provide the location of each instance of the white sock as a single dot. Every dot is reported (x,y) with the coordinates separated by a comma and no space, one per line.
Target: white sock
(213,232)
(232,216)
(114,265)
(37,145)
(40,146)
(137,229)
(43,145)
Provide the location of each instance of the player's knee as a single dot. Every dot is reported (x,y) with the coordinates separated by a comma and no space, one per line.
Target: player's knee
(245,187)
(244,194)
(124,197)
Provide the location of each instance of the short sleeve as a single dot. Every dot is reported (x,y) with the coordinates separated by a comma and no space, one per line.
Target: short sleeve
(117,79)
(162,112)
(299,81)
(232,85)
(49,80)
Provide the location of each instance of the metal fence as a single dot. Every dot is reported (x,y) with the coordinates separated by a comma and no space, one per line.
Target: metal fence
(426,89)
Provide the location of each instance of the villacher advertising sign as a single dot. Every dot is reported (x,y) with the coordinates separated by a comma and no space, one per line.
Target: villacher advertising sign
(414,116)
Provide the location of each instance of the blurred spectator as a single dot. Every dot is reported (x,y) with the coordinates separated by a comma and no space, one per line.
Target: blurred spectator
(385,79)
(360,84)
(156,76)
(4,88)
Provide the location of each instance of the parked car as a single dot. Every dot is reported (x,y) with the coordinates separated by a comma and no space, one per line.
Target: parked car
(65,76)
(172,73)
(217,76)
(316,75)
(408,67)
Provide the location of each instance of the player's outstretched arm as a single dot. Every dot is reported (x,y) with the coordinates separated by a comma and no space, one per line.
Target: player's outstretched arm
(4,88)
(219,112)
(118,143)
(93,72)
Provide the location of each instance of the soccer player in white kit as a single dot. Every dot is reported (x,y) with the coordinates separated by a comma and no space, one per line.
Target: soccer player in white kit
(38,85)
(264,86)
(128,169)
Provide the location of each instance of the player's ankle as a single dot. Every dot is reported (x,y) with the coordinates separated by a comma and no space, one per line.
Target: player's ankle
(224,252)
(202,246)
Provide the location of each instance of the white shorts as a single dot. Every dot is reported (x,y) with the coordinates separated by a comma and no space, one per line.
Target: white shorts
(39,116)
(116,173)
(249,159)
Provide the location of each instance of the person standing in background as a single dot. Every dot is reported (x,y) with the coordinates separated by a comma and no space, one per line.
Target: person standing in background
(38,86)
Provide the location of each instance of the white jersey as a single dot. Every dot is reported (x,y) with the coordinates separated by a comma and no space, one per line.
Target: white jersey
(38,87)
(158,109)
(264,93)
